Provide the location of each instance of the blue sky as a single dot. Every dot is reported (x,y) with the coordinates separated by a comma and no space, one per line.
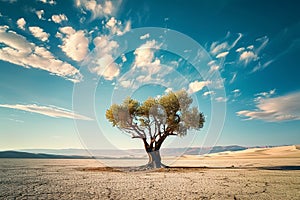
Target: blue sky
(64,62)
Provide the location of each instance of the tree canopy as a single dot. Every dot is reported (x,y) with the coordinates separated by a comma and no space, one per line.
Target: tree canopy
(156,118)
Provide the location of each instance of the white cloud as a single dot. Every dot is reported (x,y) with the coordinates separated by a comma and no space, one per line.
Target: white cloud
(51,2)
(266,94)
(222,55)
(146,36)
(50,111)
(144,55)
(59,18)
(236,93)
(68,30)
(116,28)
(211,62)
(146,66)
(111,22)
(214,68)
(197,86)
(39,33)
(105,64)
(240,49)
(282,108)
(262,95)
(123,57)
(75,44)
(40,14)
(126,83)
(168,90)
(21,23)
(209,93)
(221,99)
(144,78)
(98,9)
(250,47)
(248,56)
(105,45)
(17,50)
(106,67)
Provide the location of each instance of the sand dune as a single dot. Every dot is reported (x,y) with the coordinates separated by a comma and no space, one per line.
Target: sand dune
(255,157)
(256,153)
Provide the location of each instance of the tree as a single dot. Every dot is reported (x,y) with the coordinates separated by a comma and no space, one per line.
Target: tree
(155,119)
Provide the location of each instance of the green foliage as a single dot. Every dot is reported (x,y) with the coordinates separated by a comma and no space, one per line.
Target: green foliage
(157,118)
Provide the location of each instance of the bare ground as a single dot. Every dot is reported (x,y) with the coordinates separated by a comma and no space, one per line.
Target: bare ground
(84,179)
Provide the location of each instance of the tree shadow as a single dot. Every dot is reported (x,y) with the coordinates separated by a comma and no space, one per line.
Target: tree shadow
(287,167)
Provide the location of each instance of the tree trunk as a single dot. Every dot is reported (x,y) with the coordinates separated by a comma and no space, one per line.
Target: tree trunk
(154,156)
(154,160)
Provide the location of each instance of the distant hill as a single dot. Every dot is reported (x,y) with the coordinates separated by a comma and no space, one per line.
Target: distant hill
(115,153)
(19,154)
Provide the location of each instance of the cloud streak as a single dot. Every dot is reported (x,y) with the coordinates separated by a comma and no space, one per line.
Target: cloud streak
(282,108)
(50,111)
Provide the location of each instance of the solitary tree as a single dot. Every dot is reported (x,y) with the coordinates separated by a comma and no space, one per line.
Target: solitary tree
(155,119)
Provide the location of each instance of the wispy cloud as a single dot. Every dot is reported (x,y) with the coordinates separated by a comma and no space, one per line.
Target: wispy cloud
(263,95)
(146,36)
(247,57)
(17,50)
(51,111)
(236,93)
(98,9)
(218,47)
(211,93)
(282,108)
(248,54)
(221,99)
(234,75)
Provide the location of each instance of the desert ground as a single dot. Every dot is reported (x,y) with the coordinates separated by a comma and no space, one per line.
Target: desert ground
(264,173)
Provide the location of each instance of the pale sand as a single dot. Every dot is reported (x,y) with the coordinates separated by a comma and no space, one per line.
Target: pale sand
(256,157)
(87,179)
